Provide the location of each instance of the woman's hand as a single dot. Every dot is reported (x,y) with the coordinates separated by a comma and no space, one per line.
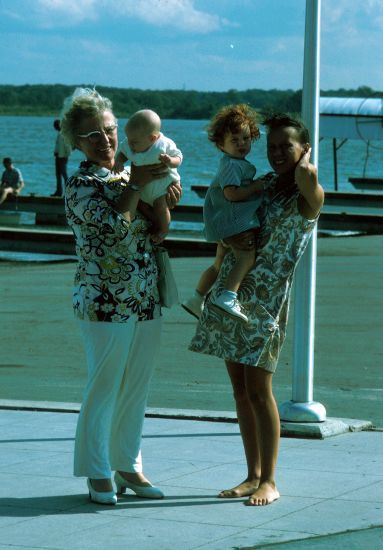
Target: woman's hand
(312,194)
(174,194)
(142,175)
(305,173)
(243,241)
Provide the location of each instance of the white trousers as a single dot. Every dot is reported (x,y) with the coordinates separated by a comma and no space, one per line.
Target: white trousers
(120,359)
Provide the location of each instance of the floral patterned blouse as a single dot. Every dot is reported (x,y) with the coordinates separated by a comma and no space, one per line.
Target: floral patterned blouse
(265,291)
(117,273)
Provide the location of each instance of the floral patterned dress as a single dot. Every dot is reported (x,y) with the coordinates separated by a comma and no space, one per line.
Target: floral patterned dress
(117,273)
(265,291)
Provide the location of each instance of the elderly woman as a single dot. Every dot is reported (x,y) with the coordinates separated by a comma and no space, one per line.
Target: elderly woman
(115,300)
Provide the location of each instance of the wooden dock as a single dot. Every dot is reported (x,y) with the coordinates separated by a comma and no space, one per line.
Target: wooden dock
(367,183)
(33,239)
(343,212)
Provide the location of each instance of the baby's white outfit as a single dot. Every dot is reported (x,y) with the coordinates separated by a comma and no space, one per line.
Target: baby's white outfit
(158,187)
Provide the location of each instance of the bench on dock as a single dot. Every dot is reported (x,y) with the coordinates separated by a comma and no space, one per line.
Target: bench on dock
(337,215)
(369,184)
(333,198)
(48,210)
(61,241)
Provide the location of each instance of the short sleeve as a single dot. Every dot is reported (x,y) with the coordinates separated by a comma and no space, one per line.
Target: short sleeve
(172,149)
(230,173)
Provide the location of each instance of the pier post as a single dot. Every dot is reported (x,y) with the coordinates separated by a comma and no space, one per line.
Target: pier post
(302,408)
(335,162)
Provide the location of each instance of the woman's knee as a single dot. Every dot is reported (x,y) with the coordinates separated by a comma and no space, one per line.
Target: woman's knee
(240,395)
(237,379)
(259,387)
(258,396)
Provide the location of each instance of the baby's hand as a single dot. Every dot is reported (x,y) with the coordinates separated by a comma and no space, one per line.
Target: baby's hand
(165,159)
(118,166)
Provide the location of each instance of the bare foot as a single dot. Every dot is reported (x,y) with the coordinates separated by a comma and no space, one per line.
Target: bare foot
(265,494)
(244,489)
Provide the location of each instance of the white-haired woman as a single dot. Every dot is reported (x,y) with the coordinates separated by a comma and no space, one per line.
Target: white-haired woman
(115,299)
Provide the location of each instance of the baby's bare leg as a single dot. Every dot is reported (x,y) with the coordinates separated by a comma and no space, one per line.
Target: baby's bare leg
(162,219)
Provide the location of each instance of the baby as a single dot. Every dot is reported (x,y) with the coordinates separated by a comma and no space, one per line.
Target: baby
(145,144)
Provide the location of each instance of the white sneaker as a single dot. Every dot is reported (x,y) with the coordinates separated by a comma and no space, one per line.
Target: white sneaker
(230,306)
(194,305)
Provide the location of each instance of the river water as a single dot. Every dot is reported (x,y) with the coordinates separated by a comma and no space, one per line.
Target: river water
(30,142)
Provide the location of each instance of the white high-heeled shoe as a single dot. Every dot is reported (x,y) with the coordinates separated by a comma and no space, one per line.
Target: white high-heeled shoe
(143,491)
(105,497)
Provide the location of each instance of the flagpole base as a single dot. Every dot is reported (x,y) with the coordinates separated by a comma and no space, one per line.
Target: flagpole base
(293,411)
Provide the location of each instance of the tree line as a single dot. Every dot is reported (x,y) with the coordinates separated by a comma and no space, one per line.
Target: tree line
(47,99)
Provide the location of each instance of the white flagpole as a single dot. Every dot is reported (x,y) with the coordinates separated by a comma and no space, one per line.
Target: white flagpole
(302,408)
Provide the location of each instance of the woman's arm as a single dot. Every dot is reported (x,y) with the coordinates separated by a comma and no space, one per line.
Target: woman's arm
(311,192)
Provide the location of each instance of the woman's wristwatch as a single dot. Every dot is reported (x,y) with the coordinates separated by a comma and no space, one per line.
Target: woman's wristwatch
(133,187)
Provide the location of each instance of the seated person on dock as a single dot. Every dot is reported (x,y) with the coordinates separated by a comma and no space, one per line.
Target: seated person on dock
(144,145)
(11,180)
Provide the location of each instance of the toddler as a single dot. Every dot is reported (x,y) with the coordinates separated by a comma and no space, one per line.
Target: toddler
(230,208)
(145,144)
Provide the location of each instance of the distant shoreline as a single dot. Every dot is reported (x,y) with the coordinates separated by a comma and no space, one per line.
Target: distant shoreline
(47,100)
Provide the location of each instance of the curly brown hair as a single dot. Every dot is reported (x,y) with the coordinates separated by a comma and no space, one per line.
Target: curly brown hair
(233,118)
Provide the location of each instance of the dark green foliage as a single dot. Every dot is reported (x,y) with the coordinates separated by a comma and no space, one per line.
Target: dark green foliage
(47,99)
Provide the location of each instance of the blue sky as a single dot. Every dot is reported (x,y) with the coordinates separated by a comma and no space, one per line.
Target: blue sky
(187,44)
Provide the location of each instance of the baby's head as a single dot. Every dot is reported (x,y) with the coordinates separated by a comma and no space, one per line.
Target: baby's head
(233,129)
(142,130)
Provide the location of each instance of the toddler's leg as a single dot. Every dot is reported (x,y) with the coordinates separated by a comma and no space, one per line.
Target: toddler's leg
(195,303)
(244,261)
(210,274)
(245,258)
(162,219)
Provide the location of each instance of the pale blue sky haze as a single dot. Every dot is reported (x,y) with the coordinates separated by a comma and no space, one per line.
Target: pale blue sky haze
(187,44)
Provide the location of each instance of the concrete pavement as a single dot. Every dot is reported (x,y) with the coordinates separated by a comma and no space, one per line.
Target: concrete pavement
(331,491)
(42,356)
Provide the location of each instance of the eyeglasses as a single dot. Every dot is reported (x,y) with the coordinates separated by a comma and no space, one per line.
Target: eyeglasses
(95,136)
